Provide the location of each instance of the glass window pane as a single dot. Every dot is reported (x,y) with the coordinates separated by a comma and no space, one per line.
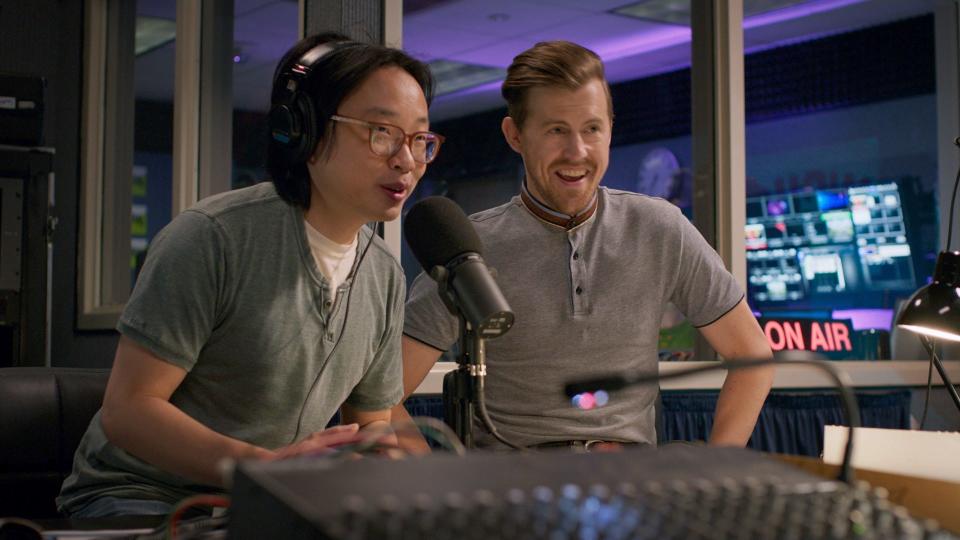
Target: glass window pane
(152,175)
(263,30)
(645,47)
(842,182)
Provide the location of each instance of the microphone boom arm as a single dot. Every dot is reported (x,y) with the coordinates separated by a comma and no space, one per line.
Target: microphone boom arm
(840,379)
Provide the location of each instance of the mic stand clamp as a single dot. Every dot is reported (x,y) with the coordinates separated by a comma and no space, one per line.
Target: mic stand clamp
(462,386)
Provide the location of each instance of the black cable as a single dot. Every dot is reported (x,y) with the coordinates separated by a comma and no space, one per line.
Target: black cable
(953,201)
(343,326)
(926,399)
(485,417)
(840,379)
(473,359)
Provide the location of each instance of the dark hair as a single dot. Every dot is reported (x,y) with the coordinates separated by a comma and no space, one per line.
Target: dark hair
(331,80)
(550,63)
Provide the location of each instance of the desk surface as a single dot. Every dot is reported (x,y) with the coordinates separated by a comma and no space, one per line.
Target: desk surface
(864,374)
(107,527)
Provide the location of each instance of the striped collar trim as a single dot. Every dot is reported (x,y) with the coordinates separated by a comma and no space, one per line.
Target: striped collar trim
(551,216)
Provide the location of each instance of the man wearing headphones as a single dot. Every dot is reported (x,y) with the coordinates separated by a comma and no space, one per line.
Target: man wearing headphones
(260,311)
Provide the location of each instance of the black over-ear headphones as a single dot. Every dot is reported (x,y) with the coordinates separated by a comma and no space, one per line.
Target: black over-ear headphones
(292,118)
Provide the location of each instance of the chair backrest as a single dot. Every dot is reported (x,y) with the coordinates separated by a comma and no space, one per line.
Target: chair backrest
(44,413)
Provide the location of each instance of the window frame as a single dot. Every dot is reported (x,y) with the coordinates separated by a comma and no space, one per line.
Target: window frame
(105,154)
(201,161)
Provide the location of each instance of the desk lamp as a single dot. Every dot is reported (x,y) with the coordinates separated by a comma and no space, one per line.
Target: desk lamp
(934,310)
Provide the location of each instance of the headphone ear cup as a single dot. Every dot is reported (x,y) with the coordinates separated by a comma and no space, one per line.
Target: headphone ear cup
(280,122)
(292,128)
(306,119)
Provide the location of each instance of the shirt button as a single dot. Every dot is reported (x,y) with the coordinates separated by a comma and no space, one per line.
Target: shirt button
(328,303)
(330,335)
(579,289)
(576,255)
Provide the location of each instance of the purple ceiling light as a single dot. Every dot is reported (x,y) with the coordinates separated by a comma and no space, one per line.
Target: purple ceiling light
(796,12)
(633,45)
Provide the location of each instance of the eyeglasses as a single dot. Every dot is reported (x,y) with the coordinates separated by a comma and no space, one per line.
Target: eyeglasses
(386,139)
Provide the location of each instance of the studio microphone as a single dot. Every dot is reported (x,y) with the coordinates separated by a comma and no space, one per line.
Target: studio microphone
(445,243)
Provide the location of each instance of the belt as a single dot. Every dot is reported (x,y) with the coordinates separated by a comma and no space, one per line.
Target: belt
(585,445)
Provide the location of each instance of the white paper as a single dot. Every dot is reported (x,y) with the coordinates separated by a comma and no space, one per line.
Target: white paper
(925,454)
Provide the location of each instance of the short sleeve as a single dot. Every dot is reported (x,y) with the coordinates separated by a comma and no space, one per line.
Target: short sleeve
(426,318)
(381,386)
(173,307)
(704,290)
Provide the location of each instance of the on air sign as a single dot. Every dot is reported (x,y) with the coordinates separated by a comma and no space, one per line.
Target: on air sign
(814,335)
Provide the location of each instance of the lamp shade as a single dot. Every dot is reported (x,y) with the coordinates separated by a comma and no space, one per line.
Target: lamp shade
(934,310)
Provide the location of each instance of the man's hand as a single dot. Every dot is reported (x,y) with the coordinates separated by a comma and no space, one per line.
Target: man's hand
(387,444)
(321,442)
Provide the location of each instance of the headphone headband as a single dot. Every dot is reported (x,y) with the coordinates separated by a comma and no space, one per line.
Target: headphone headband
(311,57)
(300,69)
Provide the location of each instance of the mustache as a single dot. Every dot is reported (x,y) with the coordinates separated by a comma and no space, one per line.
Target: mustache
(567,165)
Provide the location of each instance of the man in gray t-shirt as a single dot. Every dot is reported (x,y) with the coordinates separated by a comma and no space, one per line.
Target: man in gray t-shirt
(588,272)
(234,344)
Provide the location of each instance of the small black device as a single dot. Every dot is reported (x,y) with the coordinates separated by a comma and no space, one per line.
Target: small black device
(21,109)
(27,225)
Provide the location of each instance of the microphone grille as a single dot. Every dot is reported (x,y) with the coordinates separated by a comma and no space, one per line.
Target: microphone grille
(437,231)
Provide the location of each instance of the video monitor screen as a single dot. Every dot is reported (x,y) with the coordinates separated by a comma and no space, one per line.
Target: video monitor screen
(777,207)
(831,200)
(858,246)
(863,200)
(805,203)
(823,271)
(861,215)
(795,230)
(755,237)
(754,209)
(839,226)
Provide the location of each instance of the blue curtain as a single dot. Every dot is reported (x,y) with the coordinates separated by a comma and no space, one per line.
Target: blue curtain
(790,423)
(430,405)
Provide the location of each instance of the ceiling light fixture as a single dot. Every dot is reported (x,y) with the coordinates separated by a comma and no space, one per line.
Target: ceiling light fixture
(153,33)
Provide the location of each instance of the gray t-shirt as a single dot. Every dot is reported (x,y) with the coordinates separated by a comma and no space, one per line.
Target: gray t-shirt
(588,302)
(230,292)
